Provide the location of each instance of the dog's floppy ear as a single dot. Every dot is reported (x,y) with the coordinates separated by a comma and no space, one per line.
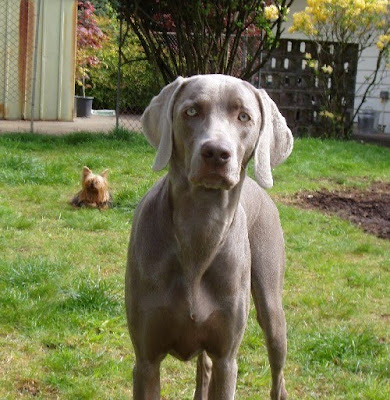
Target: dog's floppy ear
(275,141)
(157,123)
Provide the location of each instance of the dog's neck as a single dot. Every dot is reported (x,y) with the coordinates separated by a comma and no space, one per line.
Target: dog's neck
(201,219)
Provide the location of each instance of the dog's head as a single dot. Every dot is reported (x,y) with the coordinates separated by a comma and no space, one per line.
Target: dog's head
(211,125)
(96,185)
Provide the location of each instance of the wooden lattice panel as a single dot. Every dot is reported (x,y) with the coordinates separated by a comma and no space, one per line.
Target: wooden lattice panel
(296,90)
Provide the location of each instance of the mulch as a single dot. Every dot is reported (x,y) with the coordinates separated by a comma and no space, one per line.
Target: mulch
(369,209)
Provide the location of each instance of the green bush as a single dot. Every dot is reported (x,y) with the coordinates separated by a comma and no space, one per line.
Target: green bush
(138,83)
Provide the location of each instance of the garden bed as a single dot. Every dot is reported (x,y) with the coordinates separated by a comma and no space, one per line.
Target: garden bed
(369,209)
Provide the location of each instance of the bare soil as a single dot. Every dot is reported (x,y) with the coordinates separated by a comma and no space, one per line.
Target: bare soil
(369,209)
(29,387)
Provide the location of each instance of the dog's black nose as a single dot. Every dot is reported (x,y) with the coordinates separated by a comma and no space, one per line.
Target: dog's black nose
(215,153)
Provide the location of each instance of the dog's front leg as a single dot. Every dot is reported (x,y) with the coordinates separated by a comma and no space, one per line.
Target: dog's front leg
(146,380)
(223,379)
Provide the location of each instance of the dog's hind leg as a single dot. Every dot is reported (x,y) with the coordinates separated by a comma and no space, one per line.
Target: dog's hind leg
(272,321)
(270,314)
(267,274)
(203,376)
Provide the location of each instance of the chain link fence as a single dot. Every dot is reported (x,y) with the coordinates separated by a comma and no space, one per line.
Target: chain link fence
(285,76)
(138,81)
(126,84)
(17,39)
(37,59)
(126,81)
(9,25)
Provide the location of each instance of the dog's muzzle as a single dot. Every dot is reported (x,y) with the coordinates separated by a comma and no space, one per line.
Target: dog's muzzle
(214,167)
(215,154)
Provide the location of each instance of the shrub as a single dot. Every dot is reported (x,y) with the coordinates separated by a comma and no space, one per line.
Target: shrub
(138,78)
(364,23)
(89,39)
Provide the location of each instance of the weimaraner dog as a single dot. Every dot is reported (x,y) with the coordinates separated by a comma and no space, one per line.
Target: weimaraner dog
(206,235)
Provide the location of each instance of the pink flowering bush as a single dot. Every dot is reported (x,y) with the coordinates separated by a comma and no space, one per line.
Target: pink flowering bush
(89,39)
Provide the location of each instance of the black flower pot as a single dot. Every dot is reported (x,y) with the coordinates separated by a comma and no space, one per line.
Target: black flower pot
(84,106)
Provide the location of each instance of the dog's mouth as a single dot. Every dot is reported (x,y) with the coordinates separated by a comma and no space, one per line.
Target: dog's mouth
(213,180)
(94,186)
(92,189)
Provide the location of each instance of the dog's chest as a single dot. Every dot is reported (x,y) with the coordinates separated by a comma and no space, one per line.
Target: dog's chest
(206,295)
(192,314)
(194,291)
(212,260)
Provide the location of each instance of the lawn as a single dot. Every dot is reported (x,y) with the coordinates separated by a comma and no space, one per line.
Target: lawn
(63,332)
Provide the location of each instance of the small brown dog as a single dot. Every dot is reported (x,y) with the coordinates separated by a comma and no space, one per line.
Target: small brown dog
(95,191)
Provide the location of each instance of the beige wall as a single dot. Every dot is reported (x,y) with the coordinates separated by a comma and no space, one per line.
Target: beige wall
(54,89)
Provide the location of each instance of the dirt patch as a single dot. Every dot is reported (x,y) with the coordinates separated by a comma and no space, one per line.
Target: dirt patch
(29,387)
(369,209)
(33,388)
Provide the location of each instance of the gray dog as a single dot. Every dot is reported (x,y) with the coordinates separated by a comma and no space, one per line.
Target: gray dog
(206,235)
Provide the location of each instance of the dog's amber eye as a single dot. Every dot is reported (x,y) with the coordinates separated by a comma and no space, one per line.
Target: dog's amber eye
(191,112)
(244,117)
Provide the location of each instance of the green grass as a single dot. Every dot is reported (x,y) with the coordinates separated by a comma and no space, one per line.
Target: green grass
(323,164)
(62,325)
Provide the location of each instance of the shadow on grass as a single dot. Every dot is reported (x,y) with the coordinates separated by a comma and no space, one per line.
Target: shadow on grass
(46,141)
